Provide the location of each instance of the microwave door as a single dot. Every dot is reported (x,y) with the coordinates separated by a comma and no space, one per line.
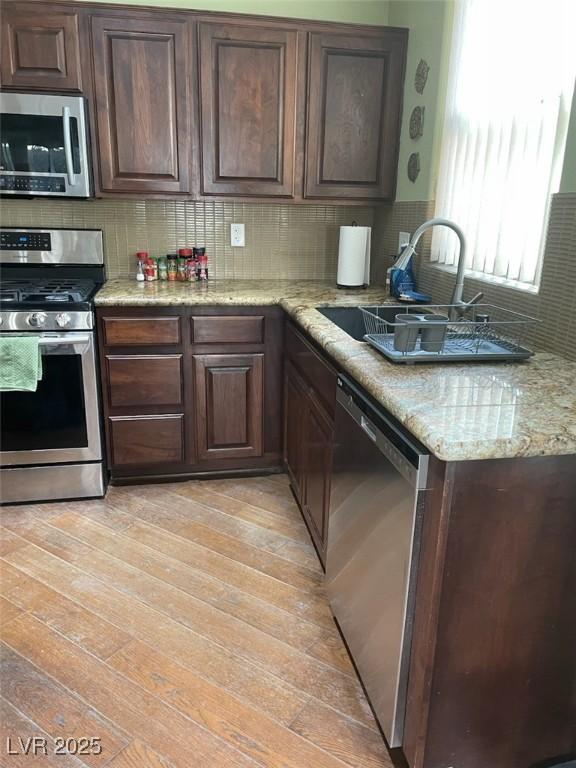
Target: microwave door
(60,421)
(44,149)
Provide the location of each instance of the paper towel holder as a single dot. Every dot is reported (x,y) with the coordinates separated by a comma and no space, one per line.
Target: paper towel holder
(354,257)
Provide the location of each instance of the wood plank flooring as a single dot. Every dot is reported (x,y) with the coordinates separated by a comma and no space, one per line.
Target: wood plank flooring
(183,624)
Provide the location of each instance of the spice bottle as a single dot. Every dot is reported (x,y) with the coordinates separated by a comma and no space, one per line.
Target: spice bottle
(162,268)
(140,276)
(203,267)
(184,257)
(201,263)
(172,266)
(151,269)
(181,274)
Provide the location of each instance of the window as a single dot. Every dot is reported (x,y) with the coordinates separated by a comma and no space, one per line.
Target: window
(511,82)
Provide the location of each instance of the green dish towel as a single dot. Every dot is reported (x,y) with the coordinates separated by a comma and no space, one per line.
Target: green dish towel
(20,363)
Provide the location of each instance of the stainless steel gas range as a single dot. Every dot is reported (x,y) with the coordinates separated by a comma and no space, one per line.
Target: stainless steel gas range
(50,439)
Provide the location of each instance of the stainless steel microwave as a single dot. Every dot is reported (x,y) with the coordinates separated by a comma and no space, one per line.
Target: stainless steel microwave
(44,146)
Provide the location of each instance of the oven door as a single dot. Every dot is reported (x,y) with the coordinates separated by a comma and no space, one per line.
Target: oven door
(44,149)
(58,423)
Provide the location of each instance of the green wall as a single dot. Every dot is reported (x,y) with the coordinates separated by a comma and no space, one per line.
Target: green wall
(429,22)
(354,11)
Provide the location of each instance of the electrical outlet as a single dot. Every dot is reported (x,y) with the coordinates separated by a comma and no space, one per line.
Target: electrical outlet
(403,239)
(237,237)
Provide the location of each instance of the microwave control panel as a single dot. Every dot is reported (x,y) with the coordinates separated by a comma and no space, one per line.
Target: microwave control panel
(25,241)
(31,184)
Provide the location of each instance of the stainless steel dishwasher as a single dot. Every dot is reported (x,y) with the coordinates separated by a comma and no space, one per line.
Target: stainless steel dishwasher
(376,506)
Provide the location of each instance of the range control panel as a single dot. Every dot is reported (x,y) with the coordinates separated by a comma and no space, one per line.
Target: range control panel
(17,184)
(25,241)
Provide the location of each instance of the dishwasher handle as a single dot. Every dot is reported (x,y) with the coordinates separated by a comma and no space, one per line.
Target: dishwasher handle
(369,428)
(414,471)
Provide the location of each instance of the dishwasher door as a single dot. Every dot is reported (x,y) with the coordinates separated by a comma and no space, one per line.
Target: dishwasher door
(376,504)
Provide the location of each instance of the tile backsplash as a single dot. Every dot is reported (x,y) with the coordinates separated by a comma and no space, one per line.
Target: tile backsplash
(554,304)
(301,242)
(282,241)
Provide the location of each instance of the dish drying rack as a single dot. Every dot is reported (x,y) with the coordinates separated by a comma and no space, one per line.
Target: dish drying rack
(486,332)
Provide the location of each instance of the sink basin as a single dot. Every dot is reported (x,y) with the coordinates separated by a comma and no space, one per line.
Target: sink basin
(351,319)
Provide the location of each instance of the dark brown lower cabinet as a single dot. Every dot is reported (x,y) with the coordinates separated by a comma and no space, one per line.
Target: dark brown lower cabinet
(309,398)
(492,679)
(191,390)
(229,401)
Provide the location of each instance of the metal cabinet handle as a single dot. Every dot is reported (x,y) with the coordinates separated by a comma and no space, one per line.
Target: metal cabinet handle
(68,147)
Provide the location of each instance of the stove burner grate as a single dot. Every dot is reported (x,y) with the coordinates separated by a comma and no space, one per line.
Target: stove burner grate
(48,291)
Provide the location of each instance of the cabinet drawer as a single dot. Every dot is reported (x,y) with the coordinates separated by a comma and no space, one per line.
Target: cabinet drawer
(145,380)
(126,331)
(147,439)
(316,371)
(233,329)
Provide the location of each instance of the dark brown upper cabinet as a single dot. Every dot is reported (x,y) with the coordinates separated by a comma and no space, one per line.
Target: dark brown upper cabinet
(141,68)
(248,101)
(355,86)
(40,48)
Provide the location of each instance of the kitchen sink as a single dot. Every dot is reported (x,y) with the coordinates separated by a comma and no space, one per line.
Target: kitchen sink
(463,340)
(351,319)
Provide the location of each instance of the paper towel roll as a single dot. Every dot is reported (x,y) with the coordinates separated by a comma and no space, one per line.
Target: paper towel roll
(354,257)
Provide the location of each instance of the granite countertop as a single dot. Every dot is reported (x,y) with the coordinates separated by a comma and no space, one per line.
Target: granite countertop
(458,411)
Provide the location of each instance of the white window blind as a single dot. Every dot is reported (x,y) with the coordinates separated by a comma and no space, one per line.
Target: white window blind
(511,83)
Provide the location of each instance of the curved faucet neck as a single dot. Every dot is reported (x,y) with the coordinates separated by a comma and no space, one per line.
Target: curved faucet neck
(457,294)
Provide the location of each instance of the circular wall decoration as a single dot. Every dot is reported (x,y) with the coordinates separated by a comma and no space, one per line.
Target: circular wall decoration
(421,75)
(417,122)
(414,166)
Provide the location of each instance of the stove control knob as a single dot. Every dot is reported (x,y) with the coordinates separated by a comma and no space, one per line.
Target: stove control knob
(37,319)
(63,319)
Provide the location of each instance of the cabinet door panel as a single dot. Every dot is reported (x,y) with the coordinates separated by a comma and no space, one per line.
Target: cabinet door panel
(40,48)
(317,448)
(146,380)
(294,407)
(147,439)
(142,104)
(248,97)
(229,400)
(354,111)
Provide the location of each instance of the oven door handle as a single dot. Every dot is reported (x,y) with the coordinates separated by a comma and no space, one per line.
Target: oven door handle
(65,338)
(68,147)
(81,343)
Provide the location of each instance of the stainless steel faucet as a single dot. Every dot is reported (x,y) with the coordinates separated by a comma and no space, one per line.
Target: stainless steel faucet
(460,307)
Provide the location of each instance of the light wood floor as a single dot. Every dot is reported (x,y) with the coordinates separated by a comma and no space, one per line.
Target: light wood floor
(184,625)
